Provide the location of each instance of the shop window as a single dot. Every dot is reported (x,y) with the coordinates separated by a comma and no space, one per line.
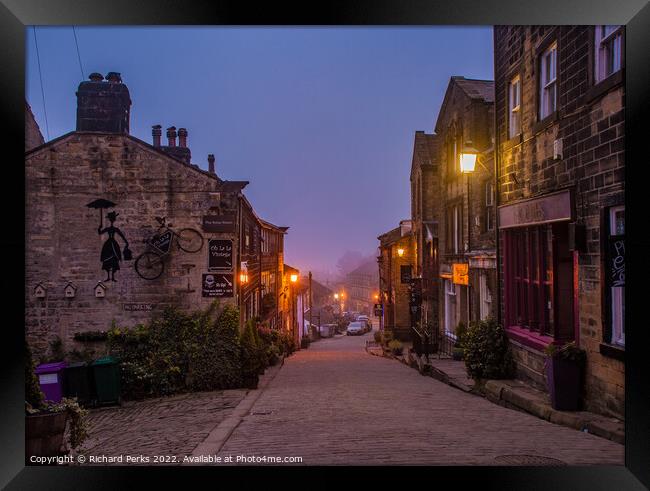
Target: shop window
(485,296)
(514,106)
(539,280)
(548,81)
(616,273)
(608,43)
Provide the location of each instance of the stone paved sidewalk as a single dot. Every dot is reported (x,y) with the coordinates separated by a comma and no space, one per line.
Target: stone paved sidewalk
(169,426)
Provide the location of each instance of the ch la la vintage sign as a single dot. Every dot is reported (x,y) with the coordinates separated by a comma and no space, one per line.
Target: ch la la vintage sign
(220,255)
(460,273)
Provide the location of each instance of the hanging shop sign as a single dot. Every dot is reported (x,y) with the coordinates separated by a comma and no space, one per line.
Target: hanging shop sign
(550,208)
(460,273)
(219,255)
(219,223)
(616,269)
(218,285)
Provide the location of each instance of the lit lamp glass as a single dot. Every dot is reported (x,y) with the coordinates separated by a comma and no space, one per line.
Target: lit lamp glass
(294,278)
(243,278)
(400,252)
(336,296)
(467,159)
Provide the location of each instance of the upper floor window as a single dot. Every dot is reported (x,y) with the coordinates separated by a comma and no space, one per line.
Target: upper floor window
(609,51)
(489,207)
(514,106)
(548,81)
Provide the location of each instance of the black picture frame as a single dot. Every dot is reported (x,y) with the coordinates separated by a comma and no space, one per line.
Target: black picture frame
(635,14)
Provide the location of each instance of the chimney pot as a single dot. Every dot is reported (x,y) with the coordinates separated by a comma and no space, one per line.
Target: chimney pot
(96,77)
(114,77)
(171,136)
(211,163)
(182,137)
(156,131)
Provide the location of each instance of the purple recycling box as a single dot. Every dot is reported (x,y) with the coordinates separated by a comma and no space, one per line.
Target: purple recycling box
(50,377)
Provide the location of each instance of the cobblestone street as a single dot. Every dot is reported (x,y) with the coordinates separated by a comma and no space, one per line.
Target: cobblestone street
(335,404)
(171,426)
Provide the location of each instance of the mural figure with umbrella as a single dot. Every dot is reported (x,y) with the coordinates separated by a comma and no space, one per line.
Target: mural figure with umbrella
(111,254)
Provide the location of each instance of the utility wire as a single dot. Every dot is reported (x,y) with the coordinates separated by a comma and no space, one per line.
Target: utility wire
(40,76)
(78,55)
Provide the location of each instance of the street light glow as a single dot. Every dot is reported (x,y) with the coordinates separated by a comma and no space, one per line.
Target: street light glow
(294,278)
(400,252)
(467,159)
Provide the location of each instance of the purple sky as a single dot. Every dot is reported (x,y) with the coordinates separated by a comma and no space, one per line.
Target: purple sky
(319,120)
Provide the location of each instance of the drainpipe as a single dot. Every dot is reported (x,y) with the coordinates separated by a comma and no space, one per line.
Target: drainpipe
(497,164)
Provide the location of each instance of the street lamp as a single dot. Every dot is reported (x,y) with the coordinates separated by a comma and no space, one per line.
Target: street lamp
(467,159)
(294,278)
(400,252)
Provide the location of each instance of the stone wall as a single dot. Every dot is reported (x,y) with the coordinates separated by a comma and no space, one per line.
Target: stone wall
(590,123)
(63,244)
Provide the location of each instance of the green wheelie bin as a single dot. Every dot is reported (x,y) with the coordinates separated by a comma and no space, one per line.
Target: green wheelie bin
(107,380)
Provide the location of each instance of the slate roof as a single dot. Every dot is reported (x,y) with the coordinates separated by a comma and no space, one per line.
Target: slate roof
(476,89)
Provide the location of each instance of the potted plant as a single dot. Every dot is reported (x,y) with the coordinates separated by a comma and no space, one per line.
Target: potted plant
(395,347)
(45,422)
(457,352)
(564,370)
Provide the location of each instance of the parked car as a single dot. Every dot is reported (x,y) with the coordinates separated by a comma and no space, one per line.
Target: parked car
(356,328)
(366,319)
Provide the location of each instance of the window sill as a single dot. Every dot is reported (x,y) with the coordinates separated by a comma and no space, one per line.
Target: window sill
(527,338)
(613,351)
(604,86)
(546,122)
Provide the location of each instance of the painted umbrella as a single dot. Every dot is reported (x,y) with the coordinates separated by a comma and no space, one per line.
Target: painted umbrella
(101,204)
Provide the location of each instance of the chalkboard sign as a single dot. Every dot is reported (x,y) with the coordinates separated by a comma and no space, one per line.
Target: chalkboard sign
(616,265)
(405,273)
(217,285)
(219,255)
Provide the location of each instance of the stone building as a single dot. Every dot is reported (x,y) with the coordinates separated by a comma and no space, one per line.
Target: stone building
(272,267)
(467,265)
(396,263)
(560,101)
(425,212)
(361,284)
(96,194)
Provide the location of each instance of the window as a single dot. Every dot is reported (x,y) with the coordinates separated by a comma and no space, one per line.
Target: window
(548,81)
(514,105)
(485,295)
(530,278)
(608,42)
(457,228)
(617,262)
(489,207)
(450,307)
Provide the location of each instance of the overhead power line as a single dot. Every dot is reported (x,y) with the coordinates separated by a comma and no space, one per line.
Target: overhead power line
(40,75)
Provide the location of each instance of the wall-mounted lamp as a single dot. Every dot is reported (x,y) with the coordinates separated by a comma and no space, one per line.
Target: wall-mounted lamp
(467,159)
(293,278)
(400,252)
(243,278)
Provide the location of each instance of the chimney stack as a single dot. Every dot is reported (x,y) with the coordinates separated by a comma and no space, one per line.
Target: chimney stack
(211,164)
(156,132)
(171,136)
(182,137)
(103,105)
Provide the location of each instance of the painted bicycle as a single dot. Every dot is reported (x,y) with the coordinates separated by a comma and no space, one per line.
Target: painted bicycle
(151,263)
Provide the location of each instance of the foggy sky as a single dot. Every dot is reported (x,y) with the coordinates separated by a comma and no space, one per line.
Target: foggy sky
(321,121)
